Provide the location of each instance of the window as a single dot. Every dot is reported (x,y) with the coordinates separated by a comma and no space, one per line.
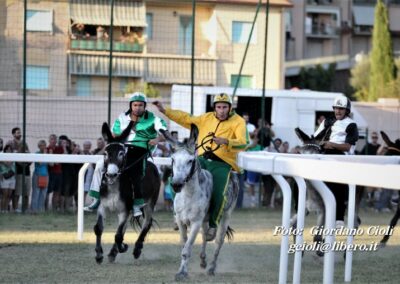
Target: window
(246,81)
(185,35)
(39,21)
(37,77)
(149,28)
(241,32)
(83,86)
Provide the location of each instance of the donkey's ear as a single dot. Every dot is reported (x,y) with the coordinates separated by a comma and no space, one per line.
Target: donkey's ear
(125,133)
(302,136)
(169,137)
(194,133)
(106,132)
(387,140)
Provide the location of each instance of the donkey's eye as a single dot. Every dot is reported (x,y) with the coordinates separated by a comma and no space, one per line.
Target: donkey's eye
(189,162)
(121,156)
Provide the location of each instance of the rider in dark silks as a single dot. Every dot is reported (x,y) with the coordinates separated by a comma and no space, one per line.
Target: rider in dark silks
(141,140)
(339,136)
(222,135)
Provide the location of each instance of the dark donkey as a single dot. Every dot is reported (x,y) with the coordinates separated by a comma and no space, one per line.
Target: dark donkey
(393,149)
(314,201)
(116,195)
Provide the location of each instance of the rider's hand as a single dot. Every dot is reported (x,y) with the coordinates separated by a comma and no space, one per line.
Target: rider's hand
(153,142)
(220,141)
(328,145)
(159,105)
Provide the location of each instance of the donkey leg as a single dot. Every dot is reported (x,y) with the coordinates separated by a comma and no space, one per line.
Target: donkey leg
(187,252)
(318,238)
(148,221)
(203,256)
(98,231)
(119,246)
(219,241)
(392,224)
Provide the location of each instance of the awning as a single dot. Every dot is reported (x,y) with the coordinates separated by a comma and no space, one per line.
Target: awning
(97,12)
(363,15)
(97,65)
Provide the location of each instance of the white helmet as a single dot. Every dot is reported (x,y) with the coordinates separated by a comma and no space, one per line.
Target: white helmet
(342,102)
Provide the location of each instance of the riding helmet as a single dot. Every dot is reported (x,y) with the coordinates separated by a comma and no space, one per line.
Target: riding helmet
(222,98)
(342,102)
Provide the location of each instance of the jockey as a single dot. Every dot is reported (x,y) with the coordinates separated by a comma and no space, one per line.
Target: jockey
(338,136)
(223,135)
(140,142)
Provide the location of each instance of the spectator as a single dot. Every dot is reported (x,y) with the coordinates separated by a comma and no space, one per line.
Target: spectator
(55,175)
(253,178)
(79,32)
(372,147)
(7,181)
(101,33)
(265,134)
(68,175)
(284,148)
(40,179)
(250,127)
(100,146)
(23,181)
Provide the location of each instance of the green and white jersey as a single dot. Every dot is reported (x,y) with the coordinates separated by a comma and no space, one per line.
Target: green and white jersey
(143,131)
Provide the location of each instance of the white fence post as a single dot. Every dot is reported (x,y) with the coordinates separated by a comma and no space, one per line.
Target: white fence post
(287,197)
(330,225)
(81,195)
(301,210)
(350,224)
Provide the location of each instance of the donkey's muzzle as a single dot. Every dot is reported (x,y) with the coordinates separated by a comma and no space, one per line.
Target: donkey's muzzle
(177,187)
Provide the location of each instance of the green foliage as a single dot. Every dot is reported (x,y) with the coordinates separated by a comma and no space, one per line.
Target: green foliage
(148,89)
(382,66)
(317,78)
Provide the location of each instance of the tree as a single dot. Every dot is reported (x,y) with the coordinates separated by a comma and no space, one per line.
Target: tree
(382,66)
(146,88)
(317,78)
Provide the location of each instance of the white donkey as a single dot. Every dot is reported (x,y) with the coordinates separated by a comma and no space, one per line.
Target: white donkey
(193,186)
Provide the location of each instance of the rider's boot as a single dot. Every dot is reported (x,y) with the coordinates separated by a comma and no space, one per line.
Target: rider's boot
(138,203)
(92,206)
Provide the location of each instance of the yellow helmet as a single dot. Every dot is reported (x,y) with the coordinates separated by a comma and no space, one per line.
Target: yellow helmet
(222,98)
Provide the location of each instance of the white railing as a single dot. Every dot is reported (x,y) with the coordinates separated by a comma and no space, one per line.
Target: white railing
(74,159)
(375,171)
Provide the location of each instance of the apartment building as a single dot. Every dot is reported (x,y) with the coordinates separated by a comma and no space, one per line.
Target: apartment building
(333,31)
(68,45)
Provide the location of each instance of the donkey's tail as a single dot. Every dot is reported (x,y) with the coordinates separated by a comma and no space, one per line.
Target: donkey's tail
(229,233)
(137,223)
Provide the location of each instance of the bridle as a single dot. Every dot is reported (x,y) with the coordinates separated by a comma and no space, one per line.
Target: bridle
(193,169)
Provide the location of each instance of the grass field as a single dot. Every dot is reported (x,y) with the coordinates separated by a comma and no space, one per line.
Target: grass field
(45,249)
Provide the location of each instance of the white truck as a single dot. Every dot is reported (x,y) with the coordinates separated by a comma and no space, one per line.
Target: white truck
(286,109)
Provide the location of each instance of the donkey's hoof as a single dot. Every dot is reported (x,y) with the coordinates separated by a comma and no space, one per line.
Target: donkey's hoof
(99,259)
(381,245)
(203,264)
(123,248)
(320,253)
(181,276)
(211,272)
(136,253)
(111,258)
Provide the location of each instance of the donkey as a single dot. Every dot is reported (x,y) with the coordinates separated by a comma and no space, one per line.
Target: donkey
(193,187)
(393,149)
(314,202)
(116,195)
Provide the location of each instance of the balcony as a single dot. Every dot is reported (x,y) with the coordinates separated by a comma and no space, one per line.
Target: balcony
(151,68)
(102,45)
(322,31)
